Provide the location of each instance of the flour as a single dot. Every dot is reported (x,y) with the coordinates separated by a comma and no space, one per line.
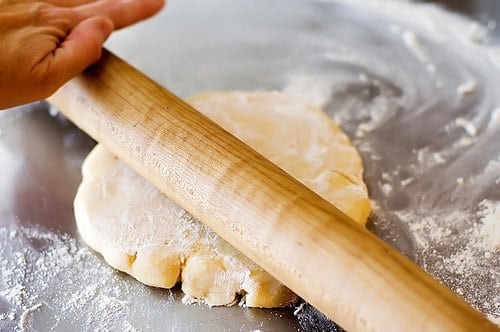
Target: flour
(298,309)
(398,99)
(23,320)
(467,88)
(495,117)
(386,188)
(438,158)
(129,327)
(313,88)
(32,275)
(428,197)
(464,259)
(467,125)
(407,181)
(415,45)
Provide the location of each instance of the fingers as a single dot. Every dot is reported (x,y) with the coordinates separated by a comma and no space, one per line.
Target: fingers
(66,14)
(81,48)
(122,13)
(60,17)
(54,40)
(88,26)
(68,3)
(60,3)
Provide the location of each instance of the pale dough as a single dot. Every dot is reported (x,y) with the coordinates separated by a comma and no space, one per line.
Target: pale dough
(142,232)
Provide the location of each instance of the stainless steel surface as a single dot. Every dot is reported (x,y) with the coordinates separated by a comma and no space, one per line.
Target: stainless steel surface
(374,81)
(41,172)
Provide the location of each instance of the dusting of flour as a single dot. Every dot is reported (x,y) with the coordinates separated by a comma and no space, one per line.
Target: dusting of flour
(434,92)
(428,130)
(465,259)
(41,262)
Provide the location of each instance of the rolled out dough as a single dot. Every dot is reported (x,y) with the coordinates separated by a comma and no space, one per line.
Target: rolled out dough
(142,232)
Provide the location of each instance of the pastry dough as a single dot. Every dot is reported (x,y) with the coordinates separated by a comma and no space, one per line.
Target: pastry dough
(142,232)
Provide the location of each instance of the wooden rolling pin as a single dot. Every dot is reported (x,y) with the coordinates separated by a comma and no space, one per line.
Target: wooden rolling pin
(302,240)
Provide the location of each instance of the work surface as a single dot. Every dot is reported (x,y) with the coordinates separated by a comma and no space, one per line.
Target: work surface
(414,88)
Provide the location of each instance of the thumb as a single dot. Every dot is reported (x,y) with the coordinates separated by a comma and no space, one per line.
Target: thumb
(81,48)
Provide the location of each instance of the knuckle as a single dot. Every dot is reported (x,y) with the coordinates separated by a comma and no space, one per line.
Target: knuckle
(48,15)
(39,12)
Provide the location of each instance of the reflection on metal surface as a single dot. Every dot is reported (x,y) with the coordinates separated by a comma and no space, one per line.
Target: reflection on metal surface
(414,87)
(45,269)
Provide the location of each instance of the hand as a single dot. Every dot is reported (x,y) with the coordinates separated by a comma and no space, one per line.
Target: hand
(45,43)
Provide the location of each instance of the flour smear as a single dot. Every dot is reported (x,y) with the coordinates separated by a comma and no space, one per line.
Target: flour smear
(415,87)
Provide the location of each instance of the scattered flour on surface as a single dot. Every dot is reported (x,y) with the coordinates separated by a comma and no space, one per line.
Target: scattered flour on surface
(467,125)
(466,258)
(23,320)
(77,287)
(467,88)
(299,309)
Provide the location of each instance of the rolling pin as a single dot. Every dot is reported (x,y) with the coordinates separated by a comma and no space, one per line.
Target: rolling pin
(339,267)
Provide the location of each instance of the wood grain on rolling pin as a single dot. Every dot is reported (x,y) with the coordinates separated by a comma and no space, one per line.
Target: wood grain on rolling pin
(313,248)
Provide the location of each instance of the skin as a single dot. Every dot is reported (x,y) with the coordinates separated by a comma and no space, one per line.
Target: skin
(45,43)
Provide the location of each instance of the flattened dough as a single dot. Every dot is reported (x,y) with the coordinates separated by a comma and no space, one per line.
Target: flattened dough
(142,232)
